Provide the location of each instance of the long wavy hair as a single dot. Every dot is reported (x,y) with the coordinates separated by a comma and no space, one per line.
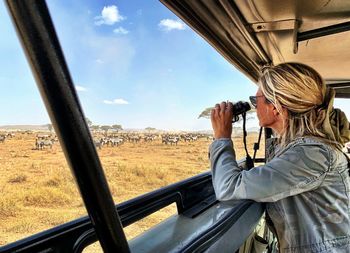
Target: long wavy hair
(301,90)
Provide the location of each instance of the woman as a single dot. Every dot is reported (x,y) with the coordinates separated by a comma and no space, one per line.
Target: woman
(306,184)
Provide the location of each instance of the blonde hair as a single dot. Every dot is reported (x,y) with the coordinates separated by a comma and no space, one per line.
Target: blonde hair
(301,90)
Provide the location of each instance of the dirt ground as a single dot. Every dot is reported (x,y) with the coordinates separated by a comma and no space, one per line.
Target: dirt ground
(38,191)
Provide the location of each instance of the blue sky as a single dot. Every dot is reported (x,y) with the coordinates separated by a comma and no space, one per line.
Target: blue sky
(133,63)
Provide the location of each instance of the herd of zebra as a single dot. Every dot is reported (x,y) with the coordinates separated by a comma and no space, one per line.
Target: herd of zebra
(41,140)
(47,141)
(168,139)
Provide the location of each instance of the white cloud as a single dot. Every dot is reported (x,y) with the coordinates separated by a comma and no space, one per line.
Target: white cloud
(97,55)
(117,101)
(170,24)
(109,16)
(120,30)
(80,88)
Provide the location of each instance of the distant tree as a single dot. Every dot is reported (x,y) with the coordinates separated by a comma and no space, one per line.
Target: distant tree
(149,129)
(117,127)
(105,128)
(88,121)
(207,111)
(49,126)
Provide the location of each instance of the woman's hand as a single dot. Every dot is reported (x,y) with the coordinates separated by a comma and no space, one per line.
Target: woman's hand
(221,120)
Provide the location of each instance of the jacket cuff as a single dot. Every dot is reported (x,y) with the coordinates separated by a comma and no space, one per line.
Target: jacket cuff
(217,143)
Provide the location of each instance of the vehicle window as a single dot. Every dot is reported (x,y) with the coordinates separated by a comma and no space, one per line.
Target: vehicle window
(344,105)
(143,77)
(37,189)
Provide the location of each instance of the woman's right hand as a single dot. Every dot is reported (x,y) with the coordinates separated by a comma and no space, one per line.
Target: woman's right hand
(221,120)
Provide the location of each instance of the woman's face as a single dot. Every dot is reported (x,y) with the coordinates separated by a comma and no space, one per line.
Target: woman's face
(267,113)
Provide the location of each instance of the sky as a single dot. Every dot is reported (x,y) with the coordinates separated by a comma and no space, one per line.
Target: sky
(133,63)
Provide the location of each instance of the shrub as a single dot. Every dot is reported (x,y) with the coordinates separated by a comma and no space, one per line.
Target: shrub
(8,208)
(18,179)
(47,197)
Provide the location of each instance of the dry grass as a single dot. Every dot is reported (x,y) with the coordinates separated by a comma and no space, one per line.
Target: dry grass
(38,191)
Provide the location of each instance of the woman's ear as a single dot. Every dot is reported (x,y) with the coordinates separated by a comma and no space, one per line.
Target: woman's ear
(275,111)
(283,112)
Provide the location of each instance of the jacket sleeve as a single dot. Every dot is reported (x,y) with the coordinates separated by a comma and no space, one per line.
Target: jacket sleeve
(298,169)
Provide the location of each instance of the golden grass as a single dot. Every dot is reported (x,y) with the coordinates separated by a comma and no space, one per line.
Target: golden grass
(38,191)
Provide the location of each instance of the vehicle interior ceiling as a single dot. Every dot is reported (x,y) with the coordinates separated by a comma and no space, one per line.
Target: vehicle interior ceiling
(312,32)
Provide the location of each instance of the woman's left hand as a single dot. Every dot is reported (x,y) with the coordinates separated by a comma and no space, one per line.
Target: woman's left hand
(221,120)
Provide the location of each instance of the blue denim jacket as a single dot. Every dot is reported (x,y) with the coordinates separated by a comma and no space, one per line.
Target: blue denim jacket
(306,187)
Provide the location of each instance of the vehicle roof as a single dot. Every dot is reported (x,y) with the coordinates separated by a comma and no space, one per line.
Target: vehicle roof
(253,33)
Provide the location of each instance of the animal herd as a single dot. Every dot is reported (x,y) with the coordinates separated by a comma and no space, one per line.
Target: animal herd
(43,141)
(47,140)
(164,138)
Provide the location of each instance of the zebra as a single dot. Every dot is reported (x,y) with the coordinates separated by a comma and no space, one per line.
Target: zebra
(135,138)
(115,141)
(43,136)
(2,138)
(40,144)
(99,143)
(170,139)
(173,140)
(10,135)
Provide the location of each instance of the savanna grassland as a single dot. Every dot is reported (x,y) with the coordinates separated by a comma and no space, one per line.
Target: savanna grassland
(38,190)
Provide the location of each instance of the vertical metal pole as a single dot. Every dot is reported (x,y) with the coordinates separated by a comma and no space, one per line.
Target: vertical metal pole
(40,43)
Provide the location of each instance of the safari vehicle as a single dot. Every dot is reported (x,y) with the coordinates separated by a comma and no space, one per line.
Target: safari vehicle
(248,34)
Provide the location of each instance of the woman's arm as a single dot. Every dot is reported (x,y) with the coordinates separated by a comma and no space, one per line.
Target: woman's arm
(300,168)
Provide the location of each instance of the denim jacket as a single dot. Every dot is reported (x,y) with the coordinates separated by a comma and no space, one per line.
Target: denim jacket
(306,189)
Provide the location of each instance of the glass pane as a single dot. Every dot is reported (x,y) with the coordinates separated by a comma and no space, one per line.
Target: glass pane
(93,248)
(344,105)
(139,227)
(143,78)
(37,188)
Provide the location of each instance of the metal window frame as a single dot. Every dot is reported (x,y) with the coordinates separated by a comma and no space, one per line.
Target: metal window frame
(40,43)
